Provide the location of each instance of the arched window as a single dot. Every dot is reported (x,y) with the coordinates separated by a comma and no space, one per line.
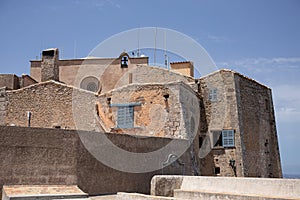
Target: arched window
(90,83)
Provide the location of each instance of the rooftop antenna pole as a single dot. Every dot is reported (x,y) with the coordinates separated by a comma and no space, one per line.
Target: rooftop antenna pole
(138,52)
(165,41)
(155,46)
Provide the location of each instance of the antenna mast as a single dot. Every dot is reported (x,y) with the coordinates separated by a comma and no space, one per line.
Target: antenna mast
(166,58)
(155,46)
(138,52)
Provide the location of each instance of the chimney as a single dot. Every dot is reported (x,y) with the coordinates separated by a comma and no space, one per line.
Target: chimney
(185,68)
(50,68)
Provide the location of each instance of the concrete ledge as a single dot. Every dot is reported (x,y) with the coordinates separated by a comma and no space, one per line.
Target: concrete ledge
(165,185)
(183,194)
(136,196)
(42,192)
(264,187)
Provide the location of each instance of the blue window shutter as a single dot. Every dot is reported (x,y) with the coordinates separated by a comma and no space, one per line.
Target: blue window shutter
(125,117)
(228,138)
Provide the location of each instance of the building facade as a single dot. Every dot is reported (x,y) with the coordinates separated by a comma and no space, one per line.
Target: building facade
(227,118)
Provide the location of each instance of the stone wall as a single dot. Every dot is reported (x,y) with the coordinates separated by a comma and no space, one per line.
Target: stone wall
(245,106)
(51,104)
(55,156)
(3,105)
(165,110)
(257,121)
(221,114)
(10,81)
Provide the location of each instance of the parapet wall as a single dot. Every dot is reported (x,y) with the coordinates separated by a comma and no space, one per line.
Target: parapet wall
(55,156)
(245,188)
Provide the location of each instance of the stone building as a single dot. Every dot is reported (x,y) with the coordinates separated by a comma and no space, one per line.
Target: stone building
(227,117)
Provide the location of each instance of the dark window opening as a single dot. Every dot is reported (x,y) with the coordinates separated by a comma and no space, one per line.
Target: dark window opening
(217,170)
(124,62)
(48,53)
(217,139)
(200,141)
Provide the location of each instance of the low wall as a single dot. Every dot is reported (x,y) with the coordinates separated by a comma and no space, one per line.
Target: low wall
(55,156)
(264,187)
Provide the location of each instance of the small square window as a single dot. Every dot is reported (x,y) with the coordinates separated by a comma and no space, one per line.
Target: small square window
(217,171)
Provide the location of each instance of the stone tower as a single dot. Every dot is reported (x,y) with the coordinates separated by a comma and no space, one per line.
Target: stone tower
(49,65)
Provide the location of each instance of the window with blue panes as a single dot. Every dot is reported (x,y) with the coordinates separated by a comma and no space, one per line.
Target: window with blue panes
(224,138)
(125,117)
(213,94)
(228,138)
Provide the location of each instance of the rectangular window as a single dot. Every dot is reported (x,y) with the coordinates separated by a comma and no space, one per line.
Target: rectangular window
(125,117)
(228,138)
(217,138)
(213,94)
(224,138)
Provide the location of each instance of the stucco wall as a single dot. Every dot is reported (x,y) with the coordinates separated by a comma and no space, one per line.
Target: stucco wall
(55,156)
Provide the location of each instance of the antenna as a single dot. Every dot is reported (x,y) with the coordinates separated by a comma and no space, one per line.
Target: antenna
(155,46)
(138,52)
(165,41)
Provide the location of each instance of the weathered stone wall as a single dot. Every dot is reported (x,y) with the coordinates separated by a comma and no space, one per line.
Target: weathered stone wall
(3,105)
(220,114)
(257,121)
(56,156)
(51,104)
(49,65)
(165,110)
(37,156)
(26,80)
(10,81)
(246,107)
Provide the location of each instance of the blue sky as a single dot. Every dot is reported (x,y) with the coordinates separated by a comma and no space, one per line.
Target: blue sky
(259,38)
